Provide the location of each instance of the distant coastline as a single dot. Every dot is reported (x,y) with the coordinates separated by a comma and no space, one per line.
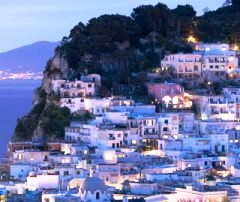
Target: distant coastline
(5,75)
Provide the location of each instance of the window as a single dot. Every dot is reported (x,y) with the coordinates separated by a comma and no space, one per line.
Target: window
(119,135)
(216,66)
(65,173)
(82,100)
(196,68)
(211,66)
(97,196)
(89,85)
(166,121)
(165,129)
(223,148)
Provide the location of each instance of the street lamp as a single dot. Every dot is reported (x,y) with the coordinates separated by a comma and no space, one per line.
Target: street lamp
(192,39)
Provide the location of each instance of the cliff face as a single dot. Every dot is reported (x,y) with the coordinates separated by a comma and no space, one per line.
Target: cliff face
(57,68)
(39,124)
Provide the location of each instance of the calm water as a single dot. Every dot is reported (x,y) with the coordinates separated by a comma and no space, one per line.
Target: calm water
(15,101)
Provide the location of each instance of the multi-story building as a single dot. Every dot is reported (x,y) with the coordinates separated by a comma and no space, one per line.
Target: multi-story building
(170,95)
(185,65)
(212,61)
(224,107)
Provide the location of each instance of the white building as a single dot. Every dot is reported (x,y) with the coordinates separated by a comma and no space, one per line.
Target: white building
(213,61)
(94,189)
(40,182)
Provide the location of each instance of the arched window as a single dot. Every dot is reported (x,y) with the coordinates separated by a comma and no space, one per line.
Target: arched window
(97,195)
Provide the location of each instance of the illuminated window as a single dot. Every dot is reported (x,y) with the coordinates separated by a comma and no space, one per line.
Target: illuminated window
(207,49)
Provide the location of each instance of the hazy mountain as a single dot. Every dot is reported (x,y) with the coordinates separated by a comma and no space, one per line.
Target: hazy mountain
(31,57)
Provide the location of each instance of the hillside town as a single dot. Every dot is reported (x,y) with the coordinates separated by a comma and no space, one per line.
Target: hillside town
(181,146)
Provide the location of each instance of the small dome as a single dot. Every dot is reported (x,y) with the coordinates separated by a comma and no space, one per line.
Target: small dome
(93,184)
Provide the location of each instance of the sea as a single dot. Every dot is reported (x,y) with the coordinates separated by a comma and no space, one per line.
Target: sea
(16,98)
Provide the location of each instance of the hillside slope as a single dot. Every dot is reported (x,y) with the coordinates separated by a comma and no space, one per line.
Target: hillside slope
(122,49)
(31,57)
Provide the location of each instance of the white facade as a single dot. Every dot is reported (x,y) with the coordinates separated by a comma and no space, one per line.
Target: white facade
(210,60)
(20,171)
(39,182)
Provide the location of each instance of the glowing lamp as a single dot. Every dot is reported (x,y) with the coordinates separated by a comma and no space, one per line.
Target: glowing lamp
(236,48)
(208,49)
(231,58)
(176,137)
(166,99)
(109,156)
(192,39)
(175,100)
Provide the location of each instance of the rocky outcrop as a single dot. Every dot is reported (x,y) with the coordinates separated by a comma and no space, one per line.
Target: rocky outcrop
(57,68)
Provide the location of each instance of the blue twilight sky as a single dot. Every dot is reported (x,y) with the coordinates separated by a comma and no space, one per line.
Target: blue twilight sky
(26,21)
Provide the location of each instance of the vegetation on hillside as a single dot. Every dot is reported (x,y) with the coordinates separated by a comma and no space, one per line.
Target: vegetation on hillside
(123,48)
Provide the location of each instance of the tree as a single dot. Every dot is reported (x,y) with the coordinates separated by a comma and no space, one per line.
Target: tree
(184,16)
(236,2)
(54,120)
(205,10)
(153,18)
(227,3)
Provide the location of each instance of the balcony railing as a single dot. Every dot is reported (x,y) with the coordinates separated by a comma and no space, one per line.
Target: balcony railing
(150,136)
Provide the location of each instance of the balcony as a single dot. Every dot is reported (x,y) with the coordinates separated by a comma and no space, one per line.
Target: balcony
(151,136)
